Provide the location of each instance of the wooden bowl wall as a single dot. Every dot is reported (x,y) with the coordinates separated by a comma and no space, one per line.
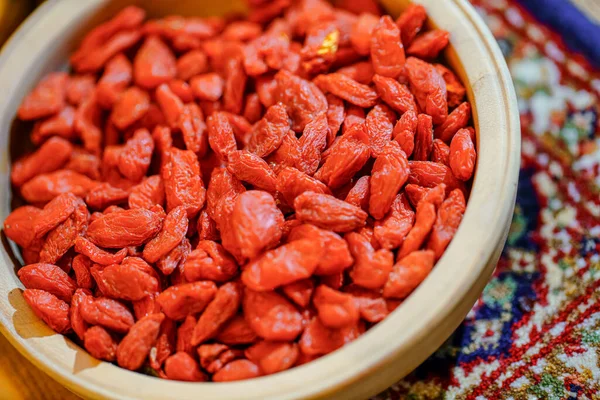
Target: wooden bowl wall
(384,354)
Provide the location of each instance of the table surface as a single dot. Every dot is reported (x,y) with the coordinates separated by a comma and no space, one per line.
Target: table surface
(21,380)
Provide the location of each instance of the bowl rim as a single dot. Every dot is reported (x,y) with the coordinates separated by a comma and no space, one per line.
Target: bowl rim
(464,264)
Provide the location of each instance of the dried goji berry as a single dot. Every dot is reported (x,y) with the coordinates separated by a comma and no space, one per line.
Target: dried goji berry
(135,346)
(235,85)
(327,212)
(405,130)
(390,172)
(267,89)
(220,135)
(371,306)
(236,331)
(286,264)
(183,184)
(273,357)
(408,273)
(267,134)
(124,228)
(52,155)
(423,138)
(108,313)
(170,104)
(100,344)
(207,227)
(456,90)
(45,187)
(62,124)
(320,47)
(287,154)
(371,267)
(457,119)
(429,44)
(191,64)
(87,124)
(49,278)
(182,90)
(361,72)
(253,108)
(347,156)
(154,63)
(242,31)
(410,22)
(170,261)
(431,174)
(291,183)
(53,311)
(184,336)
(179,301)
(46,99)
(104,195)
(85,247)
(54,213)
(148,193)
(62,238)
(213,357)
(128,18)
(79,87)
(237,370)
(417,194)
(250,168)
(359,194)
(192,126)
(379,124)
(446,223)
(347,89)
(222,308)
(118,74)
(256,223)
(125,281)
(300,292)
(81,267)
(97,57)
(131,105)
(20,225)
(333,255)
(271,316)
(429,88)
(387,52)
(173,231)
(395,94)
(303,99)
(182,367)
(391,230)
(335,309)
(165,344)
(362,31)
(462,155)
(146,306)
(318,339)
(424,220)
(223,189)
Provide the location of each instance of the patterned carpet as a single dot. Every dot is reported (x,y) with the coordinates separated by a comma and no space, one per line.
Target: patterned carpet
(535,331)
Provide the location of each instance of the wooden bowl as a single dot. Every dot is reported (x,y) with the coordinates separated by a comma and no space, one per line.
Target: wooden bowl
(377,359)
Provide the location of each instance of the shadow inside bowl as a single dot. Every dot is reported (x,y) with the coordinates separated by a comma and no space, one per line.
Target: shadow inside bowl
(82,360)
(26,326)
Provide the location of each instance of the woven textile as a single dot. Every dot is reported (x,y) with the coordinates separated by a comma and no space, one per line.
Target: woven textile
(535,331)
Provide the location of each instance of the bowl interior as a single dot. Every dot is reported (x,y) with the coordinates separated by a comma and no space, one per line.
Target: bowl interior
(393,347)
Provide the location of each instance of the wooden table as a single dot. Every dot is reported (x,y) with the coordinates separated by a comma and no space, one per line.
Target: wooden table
(20,380)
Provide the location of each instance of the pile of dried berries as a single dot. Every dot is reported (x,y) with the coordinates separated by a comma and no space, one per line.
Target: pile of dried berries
(227,198)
